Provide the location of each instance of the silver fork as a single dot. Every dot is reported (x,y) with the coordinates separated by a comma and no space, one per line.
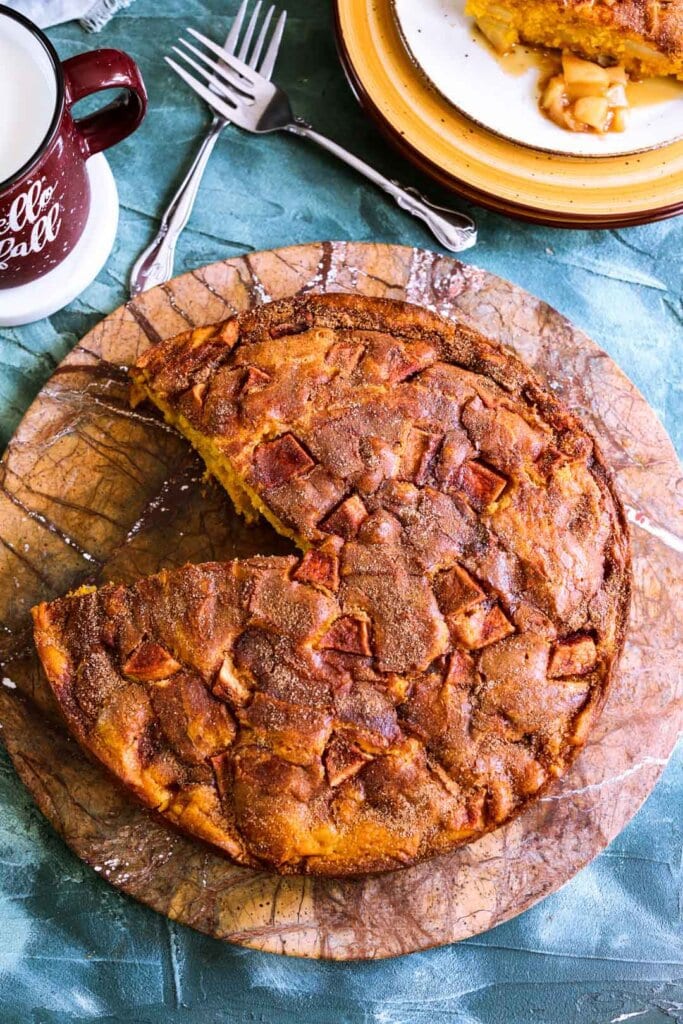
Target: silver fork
(250,101)
(155,264)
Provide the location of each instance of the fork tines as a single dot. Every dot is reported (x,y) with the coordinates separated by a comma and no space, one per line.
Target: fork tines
(233,77)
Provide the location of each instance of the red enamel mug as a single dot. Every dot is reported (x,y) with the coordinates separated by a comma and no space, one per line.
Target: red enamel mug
(44,205)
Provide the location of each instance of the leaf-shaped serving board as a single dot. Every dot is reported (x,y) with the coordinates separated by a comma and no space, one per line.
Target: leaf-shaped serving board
(91,490)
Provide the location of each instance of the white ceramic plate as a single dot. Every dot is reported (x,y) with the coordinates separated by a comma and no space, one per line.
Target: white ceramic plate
(442,41)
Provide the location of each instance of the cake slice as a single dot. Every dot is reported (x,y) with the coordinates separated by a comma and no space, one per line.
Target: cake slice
(643,36)
(241,701)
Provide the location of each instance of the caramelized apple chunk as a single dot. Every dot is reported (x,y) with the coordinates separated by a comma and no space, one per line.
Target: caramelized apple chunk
(346,518)
(343,760)
(277,461)
(585,97)
(320,566)
(573,658)
(480,626)
(348,634)
(150,662)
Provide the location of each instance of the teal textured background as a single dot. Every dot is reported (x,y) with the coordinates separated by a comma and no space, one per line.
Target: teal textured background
(608,947)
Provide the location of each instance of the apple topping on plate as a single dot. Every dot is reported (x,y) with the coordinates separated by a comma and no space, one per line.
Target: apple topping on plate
(585,97)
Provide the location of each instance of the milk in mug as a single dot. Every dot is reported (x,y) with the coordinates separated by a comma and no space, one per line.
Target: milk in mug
(28,96)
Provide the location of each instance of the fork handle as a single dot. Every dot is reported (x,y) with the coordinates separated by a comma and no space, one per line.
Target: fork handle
(455,231)
(155,265)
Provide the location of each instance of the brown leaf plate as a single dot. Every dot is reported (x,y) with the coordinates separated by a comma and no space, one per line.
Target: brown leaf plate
(91,490)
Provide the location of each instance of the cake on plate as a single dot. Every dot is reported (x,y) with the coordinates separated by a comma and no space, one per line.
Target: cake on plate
(645,37)
(437,653)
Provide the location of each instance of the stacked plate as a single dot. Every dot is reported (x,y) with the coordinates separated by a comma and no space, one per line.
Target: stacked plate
(473,122)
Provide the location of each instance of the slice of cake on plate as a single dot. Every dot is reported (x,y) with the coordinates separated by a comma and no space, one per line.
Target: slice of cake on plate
(644,36)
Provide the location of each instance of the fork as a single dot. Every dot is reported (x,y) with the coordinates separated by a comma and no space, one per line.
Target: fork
(249,100)
(155,264)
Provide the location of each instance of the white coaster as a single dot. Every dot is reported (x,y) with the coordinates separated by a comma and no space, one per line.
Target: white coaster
(56,289)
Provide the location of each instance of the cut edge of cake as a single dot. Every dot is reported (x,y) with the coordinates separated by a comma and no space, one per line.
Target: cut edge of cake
(644,36)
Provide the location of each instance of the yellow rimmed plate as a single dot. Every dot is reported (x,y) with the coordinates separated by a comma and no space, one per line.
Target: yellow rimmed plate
(548,188)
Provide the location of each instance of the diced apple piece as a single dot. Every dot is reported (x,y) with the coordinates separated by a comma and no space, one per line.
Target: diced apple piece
(275,462)
(397,687)
(617,75)
(231,685)
(619,121)
(419,449)
(582,724)
(304,323)
(577,71)
(418,356)
(254,378)
(573,658)
(150,663)
(479,627)
(581,89)
(556,105)
(593,111)
(455,449)
(553,94)
(481,485)
(460,670)
(500,34)
(345,356)
(349,635)
(616,97)
(449,784)
(343,760)
(346,518)
(456,591)
(196,397)
(320,567)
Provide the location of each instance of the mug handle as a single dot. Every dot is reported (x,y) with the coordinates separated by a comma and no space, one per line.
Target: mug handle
(92,72)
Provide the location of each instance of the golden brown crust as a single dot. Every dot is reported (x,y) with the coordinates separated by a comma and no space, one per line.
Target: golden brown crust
(646,36)
(436,656)
(659,22)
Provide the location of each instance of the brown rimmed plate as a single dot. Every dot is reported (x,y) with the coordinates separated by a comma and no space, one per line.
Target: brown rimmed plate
(547,188)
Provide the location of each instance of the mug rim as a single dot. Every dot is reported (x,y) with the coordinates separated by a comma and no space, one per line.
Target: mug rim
(52,54)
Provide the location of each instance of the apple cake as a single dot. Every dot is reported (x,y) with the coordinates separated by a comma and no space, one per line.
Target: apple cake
(437,653)
(644,36)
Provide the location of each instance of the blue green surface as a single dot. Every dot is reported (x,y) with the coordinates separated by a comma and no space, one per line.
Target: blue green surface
(605,949)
